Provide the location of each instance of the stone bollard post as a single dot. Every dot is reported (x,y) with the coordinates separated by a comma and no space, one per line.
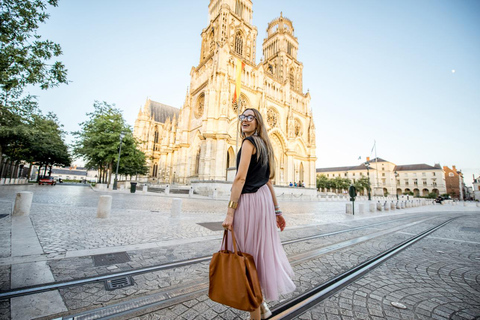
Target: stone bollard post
(399,206)
(349,208)
(167,189)
(361,208)
(379,206)
(190,192)
(478,204)
(215,193)
(145,188)
(392,205)
(23,203)
(386,206)
(371,207)
(104,207)
(176,207)
(403,205)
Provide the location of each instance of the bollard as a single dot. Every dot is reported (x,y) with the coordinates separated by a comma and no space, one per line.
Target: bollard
(386,206)
(167,189)
(145,188)
(349,208)
(478,204)
(398,205)
(392,205)
(403,205)
(176,207)
(215,193)
(104,207)
(190,192)
(371,207)
(23,203)
(361,208)
(379,206)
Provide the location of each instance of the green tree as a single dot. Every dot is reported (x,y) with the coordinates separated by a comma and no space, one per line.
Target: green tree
(24,56)
(322,182)
(361,184)
(98,143)
(47,145)
(341,183)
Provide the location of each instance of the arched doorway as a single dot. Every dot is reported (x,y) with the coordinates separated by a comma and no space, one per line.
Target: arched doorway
(230,165)
(425,192)
(279,152)
(416,192)
(301,174)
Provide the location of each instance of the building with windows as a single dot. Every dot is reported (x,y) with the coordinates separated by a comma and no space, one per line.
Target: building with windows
(476,188)
(387,178)
(454,182)
(199,141)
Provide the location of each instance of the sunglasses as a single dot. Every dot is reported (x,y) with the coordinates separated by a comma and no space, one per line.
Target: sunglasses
(248,118)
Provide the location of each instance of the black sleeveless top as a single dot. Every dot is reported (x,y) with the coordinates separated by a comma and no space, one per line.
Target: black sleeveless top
(258,174)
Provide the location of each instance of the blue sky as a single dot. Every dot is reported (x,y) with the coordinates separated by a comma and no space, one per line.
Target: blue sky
(376,70)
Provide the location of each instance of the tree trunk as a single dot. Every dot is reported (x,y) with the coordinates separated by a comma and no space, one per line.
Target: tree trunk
(29,172)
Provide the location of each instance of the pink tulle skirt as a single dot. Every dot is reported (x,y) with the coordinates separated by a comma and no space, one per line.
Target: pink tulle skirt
(256,233)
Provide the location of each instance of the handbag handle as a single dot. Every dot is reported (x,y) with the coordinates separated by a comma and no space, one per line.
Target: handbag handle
(225,240)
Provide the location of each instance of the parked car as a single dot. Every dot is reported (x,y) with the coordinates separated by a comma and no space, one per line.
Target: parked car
(47,180)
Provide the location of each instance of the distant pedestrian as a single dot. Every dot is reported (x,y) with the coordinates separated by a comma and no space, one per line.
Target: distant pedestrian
(291,184)
(254,214)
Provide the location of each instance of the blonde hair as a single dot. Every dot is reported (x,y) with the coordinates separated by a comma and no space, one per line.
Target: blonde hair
(262,141)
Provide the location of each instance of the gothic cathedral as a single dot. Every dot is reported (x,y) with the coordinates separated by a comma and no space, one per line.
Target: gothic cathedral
(199,141)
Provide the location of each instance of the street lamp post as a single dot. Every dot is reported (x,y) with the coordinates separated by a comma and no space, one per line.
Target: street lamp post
(396,191)
(367,164)
(118,162)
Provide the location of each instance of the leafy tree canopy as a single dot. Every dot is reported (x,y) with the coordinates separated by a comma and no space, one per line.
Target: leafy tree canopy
(24,56)
(98,141)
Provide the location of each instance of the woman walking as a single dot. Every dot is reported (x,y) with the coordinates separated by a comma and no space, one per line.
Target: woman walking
(253,212)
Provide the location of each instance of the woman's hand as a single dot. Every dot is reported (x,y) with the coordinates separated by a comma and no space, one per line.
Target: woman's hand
(281,222)
(228,222)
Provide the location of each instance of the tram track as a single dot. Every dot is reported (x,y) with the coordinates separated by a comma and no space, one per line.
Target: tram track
(165,266)
(161,300)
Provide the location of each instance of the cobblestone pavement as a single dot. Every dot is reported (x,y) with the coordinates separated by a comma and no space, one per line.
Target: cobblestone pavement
(64,218)
(437,278)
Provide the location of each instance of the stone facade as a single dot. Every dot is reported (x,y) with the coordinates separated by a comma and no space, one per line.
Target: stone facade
(389,178)
(199,141)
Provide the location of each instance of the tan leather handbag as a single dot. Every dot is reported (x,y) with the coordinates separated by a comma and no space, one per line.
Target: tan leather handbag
(233,278)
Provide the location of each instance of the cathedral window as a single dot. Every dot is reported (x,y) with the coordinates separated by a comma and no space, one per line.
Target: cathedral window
(239,44)
(292,80)
(200,105)
(212,42)
(272,118)
(239,8)
(298,128)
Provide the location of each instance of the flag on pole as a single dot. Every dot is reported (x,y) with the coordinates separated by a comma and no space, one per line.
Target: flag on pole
(360,157)
(240,65)
(374,143)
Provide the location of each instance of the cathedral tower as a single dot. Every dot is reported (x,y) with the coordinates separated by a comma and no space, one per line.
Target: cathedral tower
(201,143)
